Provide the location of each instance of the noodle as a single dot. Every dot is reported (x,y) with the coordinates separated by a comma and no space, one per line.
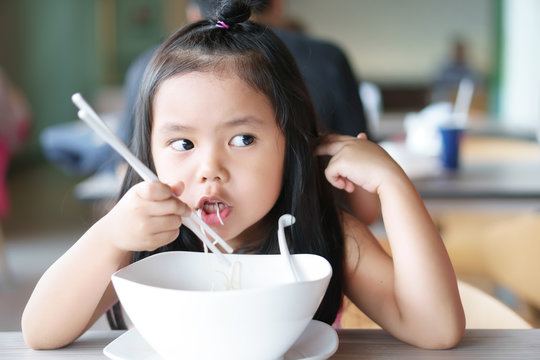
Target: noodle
(219,216)
(230,283)
(235,269)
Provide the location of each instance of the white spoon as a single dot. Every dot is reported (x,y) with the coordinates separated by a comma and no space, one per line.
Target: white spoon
(286,220)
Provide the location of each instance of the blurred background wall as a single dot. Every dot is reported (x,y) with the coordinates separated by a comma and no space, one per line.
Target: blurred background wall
(53,48)
(56,47)
(403,42)
(48,49)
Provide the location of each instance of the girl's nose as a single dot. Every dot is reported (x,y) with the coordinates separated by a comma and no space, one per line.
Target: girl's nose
(212,168)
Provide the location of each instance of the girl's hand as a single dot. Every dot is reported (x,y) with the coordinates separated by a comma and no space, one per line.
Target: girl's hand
(357,161)
(148,216)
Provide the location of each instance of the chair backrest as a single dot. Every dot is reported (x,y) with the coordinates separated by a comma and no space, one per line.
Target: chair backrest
(512,255)
(482,311)
(502,249)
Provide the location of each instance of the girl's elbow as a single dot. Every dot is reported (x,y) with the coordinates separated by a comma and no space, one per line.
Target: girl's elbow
(38,338)
(29,331)
(456,329)
(446,337)
(34,343)
(449,340)
(38,341)
(32,338)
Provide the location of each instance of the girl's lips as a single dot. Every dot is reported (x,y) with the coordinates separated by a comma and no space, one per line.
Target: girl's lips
(210,208)
(211,218)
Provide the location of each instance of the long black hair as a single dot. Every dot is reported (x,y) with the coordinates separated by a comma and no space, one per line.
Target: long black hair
(230,42)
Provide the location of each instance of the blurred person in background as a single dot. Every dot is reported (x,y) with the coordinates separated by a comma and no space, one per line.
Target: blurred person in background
(444,86)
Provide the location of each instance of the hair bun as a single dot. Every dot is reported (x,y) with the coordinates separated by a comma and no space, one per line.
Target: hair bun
(233,12)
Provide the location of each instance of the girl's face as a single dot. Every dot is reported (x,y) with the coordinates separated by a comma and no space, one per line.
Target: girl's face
(218,136)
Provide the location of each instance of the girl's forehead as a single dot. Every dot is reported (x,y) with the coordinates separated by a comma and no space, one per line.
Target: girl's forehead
(209,81)
(210,94)
(214,76)
(206,75)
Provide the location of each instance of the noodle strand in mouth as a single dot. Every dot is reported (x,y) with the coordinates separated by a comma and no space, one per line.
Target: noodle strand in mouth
(219,216)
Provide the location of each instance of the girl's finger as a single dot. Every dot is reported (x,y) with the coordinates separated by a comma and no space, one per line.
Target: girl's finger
(330,147)
(152,190)
(166,223)
(178,189)
(361,136)
(340,182)
(349,186)
(161,239)
(170,206)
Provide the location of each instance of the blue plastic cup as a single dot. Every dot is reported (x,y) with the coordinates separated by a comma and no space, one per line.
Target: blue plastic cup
(450,141)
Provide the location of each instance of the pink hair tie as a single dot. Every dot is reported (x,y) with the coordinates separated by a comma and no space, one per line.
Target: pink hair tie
(222,25)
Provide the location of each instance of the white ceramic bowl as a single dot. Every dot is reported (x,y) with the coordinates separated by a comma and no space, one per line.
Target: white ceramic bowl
(179,303)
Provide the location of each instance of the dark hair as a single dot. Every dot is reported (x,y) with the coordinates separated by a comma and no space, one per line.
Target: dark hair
(209,8)
(258,57)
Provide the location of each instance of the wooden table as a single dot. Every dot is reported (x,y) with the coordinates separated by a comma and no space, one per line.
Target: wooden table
(354,344)
(496,173)
(476,344)
(490,187)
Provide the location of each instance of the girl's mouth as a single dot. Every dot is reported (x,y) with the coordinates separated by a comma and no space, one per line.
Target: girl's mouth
(214,212)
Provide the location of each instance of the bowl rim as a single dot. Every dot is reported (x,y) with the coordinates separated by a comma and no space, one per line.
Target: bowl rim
(117,276)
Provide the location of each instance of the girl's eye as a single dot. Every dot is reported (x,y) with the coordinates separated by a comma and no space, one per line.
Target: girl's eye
(242,140)
(182,145)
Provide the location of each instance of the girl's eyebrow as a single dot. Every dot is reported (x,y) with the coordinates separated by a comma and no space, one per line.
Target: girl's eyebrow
(174,127)
(249,121)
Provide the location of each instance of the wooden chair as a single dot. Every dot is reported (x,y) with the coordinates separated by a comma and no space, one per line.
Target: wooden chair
(503,251)
(482,311)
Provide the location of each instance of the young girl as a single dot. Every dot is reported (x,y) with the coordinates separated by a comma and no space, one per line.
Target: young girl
(225,121)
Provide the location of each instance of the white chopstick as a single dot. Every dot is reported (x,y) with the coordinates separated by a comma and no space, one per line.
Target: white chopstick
(89,116)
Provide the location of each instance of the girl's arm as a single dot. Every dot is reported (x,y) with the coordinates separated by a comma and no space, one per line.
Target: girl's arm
(414,294)
(364,205)
(76,290)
